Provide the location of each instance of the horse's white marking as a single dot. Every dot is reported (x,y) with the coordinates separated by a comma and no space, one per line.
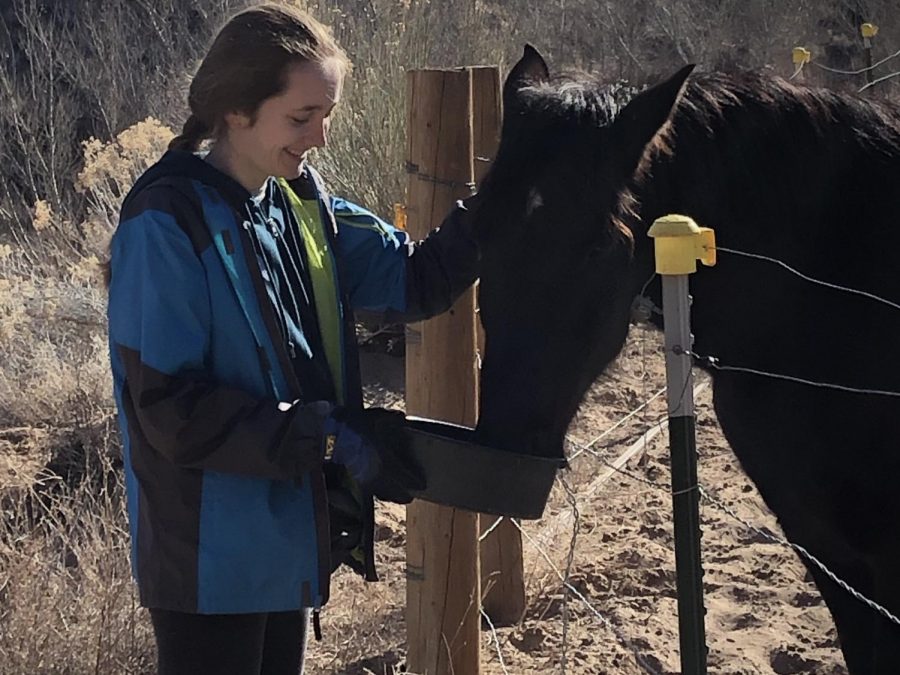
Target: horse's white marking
(534,201)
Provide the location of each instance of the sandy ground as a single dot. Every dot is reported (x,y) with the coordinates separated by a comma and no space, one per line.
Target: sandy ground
(763,613)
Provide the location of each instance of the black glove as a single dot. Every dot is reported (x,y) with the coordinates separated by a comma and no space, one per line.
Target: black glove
(396,474)
(347,519)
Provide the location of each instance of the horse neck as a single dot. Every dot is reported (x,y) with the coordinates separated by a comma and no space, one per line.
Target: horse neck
(744,177)
(782,187)
(759,167)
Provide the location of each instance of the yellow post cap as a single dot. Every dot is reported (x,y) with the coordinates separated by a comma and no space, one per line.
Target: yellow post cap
(801,55)
(868,30)
(680,243)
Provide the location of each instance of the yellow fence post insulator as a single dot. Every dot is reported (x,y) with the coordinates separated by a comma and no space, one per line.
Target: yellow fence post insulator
(800,56)
(868,31)
(680,243)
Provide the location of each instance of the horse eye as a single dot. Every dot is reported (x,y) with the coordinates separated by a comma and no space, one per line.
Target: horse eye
(598,252)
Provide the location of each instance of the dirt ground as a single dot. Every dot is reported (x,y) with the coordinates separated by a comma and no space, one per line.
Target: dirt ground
(763,614)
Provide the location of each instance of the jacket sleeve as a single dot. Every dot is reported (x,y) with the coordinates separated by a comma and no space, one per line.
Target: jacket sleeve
(159,323)
(385,272)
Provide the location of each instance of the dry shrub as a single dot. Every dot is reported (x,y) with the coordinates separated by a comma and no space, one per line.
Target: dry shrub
(55,367)
(110,169)
(52,314)
(66,599)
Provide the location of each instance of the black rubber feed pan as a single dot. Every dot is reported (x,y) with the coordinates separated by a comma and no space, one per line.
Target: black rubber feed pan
(463,474)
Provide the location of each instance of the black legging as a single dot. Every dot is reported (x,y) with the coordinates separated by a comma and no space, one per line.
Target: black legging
(230,644)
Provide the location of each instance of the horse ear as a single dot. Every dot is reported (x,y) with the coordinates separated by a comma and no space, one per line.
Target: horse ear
(530,69)
(642,119)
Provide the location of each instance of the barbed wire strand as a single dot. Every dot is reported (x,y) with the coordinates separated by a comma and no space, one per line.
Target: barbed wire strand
(877,81)
(714,362)
(803,552)
(805,277)
(484,535)
(662,487)
(620,636)
(856,72)
(643,407)
(631,438)
(570,559)
(658,424)
(496,637)
(704,492)
(582,448)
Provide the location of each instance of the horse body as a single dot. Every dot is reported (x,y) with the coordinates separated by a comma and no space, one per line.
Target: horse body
(802,176)
(814,191)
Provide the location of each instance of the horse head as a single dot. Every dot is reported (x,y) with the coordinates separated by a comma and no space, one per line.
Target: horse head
(555,290)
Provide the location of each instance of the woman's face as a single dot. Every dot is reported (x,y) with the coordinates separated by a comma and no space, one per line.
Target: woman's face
(286,126)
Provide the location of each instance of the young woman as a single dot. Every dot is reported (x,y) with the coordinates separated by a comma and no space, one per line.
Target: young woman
(250,461)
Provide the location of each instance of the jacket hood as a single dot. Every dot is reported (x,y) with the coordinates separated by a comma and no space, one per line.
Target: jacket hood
(184,165)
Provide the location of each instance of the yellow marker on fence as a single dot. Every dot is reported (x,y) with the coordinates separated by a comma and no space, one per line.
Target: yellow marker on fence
(801,56)
(868,31)
(680,243)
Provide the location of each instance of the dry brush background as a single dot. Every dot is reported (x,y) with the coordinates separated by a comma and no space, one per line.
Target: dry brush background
(91,93)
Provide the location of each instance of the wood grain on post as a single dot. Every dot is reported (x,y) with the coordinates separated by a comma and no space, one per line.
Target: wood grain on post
(443,590)
(502,572)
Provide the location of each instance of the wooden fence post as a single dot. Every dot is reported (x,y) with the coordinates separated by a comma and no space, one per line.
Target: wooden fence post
(502,573)
(443,617)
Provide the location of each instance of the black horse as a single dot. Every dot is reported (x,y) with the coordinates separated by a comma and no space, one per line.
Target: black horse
(808,177)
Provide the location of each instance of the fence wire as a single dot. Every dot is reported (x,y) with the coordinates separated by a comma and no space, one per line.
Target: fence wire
(582,448)
(570,560)
(715,362)
(620,635)
(860,71)
(496,637)
(879,80)
(800,550)
(781,541)
(805,277)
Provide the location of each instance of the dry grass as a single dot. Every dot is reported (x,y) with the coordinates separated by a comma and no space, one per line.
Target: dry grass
(67,604)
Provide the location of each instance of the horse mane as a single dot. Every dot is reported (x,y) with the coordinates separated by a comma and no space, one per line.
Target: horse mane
(718,121)
(756,126)
(580,98)
(712,99)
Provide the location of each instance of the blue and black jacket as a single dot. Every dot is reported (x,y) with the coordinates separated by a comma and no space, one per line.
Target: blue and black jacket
(221,421)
